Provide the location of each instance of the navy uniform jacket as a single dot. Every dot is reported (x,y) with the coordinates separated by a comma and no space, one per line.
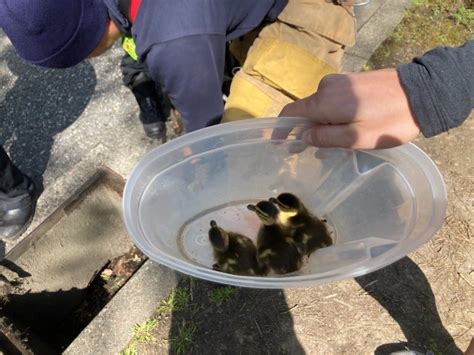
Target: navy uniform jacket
(182,42)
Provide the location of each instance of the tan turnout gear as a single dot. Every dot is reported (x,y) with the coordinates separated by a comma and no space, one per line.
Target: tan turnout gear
(287,58)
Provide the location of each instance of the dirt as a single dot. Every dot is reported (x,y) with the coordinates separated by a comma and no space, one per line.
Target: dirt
(424,302)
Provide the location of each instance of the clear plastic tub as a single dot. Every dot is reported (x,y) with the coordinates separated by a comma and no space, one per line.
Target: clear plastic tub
(380,204)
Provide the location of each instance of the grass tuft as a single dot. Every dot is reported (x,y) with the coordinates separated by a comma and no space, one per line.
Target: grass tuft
(184,339)
(176,301)
(142,334)
(221,294)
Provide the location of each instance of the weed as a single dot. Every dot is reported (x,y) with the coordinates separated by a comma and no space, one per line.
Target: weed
(142,334)
(464,16)
(397,35)
(184,339)
(433,347)
(387,51)
(176,301)
(221,294)
(418,2)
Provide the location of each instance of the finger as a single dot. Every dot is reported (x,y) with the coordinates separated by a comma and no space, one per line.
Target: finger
(298,145)
(299,108)
(352,136)
(288,111)
(343,136)
(331,104)
(281,133)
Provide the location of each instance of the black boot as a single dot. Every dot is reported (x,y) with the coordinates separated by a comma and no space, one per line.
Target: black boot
(17,198)
(154,104)
(17,208)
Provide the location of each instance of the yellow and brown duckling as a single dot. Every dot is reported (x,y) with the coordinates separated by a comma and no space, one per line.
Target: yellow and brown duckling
(276,249)
(309,232)
(234,253)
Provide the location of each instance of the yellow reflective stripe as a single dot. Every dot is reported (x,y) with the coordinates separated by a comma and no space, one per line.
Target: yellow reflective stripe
(128,44)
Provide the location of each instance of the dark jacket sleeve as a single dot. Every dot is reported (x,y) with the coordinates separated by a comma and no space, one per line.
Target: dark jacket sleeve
(191,71)
(440,87)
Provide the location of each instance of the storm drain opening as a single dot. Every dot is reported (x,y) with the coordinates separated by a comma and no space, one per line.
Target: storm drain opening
(62,274)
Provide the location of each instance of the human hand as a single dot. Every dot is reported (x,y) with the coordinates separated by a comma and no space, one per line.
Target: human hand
(357,110)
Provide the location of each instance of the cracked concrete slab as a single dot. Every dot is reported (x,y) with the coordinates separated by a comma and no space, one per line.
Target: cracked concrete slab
(111,330)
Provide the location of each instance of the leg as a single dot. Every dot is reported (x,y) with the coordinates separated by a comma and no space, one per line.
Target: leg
(153,103)
(17,198)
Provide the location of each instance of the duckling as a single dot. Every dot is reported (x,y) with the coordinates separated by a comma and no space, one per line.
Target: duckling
(308,231)
(276,249)
(234,253)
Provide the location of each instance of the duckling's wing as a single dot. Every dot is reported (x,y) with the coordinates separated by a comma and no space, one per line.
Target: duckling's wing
(284,258)
(315,235)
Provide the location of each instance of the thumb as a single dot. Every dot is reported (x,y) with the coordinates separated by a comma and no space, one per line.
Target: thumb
(343,136)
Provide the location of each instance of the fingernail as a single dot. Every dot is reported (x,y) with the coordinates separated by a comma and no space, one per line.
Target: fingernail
(308,137)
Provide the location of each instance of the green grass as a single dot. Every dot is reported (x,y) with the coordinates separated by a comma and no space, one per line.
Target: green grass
(184,339)
(433,347)
(426,25)
(177,300)
(130,350)
(418,2)
(464,16)
(396,35)
(142,334)
(221,294)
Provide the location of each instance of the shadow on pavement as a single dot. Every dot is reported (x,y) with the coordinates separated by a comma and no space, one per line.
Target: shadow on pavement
(403,290)
(41,104)
(247,321)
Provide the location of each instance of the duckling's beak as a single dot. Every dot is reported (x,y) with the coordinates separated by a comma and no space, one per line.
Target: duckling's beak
(252,208)
(273,200)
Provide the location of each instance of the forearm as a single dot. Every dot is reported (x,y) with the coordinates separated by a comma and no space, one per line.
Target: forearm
(440,87)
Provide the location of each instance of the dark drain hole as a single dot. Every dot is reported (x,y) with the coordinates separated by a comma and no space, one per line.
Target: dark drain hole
(50,321)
